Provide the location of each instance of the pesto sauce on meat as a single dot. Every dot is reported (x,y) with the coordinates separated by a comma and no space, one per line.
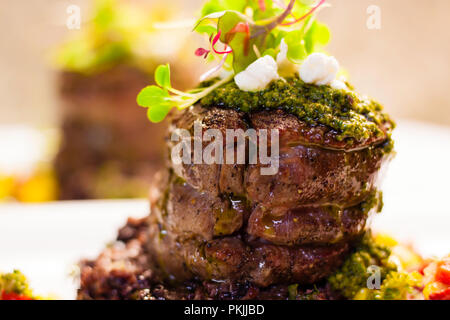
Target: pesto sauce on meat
(351,115)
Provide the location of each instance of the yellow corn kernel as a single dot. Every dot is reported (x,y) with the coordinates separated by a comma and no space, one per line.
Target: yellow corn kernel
(386,240)
(6,187)
(432,288)
(362,294)
(41,187)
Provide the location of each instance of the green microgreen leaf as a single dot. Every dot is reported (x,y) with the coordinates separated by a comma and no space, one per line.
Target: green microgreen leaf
(158,100)
(270,11)
(158,113)
(270,52)
(212,6)
(105,14)
(296,46)
(301,8)
(207,29)
(323,34)
(153,96)
(162,76)
(265,26)
(318,33)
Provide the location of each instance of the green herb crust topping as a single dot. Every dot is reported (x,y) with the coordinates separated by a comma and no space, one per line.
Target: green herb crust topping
(351,115)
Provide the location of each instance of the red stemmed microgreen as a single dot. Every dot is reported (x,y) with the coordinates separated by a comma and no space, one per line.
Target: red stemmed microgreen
(280,3)
(212,71)
(201,52)
(214,42)
(262,5)
(321,2)
(241,27)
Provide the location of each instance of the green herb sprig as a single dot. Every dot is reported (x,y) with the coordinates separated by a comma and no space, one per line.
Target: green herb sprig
(159,101)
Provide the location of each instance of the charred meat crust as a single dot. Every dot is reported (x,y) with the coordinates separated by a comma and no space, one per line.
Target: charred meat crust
(314,176)
(293,131)
(314,169)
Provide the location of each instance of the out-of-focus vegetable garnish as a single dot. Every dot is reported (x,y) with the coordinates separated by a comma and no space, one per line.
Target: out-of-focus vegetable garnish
(25,173)
(241,32)
(14,286)
(117,32)
(100,44)
(437,280)
(443,271)
(351,279)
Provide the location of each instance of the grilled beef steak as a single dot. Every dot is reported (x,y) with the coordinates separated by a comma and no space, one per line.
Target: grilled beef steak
(314,167)
(189,213)
(231,232)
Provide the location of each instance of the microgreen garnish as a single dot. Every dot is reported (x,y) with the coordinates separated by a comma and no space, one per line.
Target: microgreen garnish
(248,30)
(213,41)
(159,101)
(241,32)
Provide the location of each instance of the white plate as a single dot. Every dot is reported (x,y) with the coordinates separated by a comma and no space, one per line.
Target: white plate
(416,188)
(45,241)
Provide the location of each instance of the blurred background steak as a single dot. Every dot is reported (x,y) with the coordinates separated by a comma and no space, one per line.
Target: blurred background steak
(104,151)
(108,147)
